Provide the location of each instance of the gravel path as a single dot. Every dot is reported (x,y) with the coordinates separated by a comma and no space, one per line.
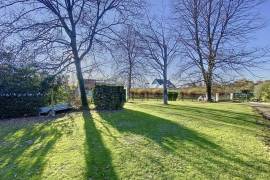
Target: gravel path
(263,108)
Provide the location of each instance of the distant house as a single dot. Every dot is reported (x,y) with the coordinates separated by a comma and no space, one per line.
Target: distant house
(158,83)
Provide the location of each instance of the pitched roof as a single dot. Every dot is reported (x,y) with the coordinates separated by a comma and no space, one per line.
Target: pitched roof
(161,82)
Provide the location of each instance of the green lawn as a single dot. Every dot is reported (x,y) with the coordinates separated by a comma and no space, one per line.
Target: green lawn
(147,140)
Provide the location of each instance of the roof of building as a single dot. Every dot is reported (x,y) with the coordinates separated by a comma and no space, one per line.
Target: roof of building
(161,82)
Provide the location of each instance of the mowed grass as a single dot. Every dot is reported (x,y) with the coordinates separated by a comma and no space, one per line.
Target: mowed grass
(146,140)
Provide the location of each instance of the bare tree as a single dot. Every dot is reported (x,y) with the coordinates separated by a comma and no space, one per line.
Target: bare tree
(214,34)
(161,46)
(128,56)
(60,33)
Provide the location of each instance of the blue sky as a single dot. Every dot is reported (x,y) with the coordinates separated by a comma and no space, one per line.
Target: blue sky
(260,39)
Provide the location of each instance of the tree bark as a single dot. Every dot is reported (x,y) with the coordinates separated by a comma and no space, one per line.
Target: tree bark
(165,91)
(81,85)
(129,82)
(209,90)
(77,60)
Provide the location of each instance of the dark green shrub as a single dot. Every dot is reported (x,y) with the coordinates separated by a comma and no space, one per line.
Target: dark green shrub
(172,96)
(19,106)
(109,97)
(59,91)
(22,92)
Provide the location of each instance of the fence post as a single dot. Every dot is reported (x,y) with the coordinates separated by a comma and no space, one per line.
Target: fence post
(217,97)
(231,96)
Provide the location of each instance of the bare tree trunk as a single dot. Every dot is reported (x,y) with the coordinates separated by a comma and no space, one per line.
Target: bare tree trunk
(81,85)
(209,90)
(129,82)
(165,91)
(78,67)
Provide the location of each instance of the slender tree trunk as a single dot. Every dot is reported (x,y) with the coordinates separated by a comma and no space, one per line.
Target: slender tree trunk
(81,85)
(165,90)
(129,83)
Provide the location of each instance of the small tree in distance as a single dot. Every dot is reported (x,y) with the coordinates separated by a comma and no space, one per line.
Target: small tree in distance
(128,56)
(161,47)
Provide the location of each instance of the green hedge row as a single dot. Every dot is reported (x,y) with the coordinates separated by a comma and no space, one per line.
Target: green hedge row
(23,90)
(172,96)
(109,97)
(14,106)
(152,93)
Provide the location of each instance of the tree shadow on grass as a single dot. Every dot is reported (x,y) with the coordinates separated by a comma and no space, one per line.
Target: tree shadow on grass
(218,115)
(97,156)
(191,146)
(25,145)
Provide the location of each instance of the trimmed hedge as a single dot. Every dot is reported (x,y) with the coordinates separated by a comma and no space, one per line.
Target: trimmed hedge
(19,106)
(109,97)
(151,93)
(172,96)
(22,92)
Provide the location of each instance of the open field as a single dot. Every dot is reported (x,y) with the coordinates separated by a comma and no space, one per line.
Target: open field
(146,140)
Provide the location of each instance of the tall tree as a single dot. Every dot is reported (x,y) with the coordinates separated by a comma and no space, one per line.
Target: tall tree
(161,46)
(128,56)
(62,32)
(215,33)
